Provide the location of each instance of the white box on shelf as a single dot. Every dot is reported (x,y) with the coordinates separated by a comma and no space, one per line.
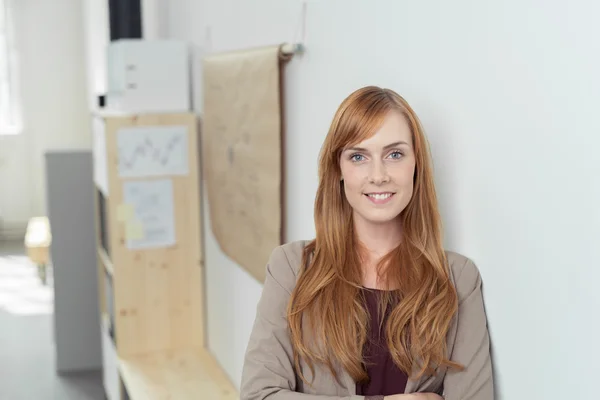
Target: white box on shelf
(148,76)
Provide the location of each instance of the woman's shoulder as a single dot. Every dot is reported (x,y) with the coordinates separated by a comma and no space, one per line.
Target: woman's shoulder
(464,273)
(288,255)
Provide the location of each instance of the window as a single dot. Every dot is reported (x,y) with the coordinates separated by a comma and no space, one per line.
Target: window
(10,122)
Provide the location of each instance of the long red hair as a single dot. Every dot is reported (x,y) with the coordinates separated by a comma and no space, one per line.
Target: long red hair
(327,298)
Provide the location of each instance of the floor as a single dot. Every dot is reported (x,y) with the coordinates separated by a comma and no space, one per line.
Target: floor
(27,356)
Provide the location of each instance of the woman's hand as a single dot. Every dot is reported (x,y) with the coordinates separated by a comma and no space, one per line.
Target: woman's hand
(414,396)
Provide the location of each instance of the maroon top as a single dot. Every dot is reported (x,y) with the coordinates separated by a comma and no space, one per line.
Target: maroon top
(385,378)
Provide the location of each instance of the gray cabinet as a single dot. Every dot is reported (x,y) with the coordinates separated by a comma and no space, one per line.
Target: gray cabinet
(70,207)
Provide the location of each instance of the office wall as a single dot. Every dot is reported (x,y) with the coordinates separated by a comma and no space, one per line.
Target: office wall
(232,293)
(49,37)
(507,92)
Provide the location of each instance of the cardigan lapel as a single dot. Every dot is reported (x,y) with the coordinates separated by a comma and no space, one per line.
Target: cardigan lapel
(412,385)
(348,382)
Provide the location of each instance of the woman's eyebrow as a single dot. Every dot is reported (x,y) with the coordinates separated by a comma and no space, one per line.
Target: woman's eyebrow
(388,146)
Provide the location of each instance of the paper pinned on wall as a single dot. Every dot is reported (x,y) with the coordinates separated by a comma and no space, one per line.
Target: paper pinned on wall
(152,151)
(134,230)
(153,222)
(124,212)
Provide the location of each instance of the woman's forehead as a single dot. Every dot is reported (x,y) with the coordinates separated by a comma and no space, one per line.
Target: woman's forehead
(393,130)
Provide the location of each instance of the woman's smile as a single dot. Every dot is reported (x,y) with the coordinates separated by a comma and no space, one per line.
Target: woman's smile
(380,197)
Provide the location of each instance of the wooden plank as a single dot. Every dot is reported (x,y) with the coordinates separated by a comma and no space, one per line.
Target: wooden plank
(158,293)
(106,262)
(100,265)
(180,375)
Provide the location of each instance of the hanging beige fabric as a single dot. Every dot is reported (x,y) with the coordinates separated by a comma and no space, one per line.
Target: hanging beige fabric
(242,153)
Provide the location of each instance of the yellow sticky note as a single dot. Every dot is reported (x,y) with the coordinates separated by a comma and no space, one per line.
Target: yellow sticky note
(134,230)
(124,212)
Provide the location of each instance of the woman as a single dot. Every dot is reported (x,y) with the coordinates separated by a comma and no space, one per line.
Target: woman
(373,308)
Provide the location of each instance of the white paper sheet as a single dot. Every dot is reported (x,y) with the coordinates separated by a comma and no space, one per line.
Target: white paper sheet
(152,223)
(152,151)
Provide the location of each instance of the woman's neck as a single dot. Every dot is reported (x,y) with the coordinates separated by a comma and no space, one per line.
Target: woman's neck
(378,239)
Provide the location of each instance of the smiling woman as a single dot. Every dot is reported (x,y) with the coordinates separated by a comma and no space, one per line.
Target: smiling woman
(379,171)
(373,307)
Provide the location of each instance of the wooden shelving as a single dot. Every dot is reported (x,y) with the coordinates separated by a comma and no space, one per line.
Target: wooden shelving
(175,375)
(152,296)
(106,261)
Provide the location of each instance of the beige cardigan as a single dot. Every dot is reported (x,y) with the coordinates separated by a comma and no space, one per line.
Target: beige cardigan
(268,371)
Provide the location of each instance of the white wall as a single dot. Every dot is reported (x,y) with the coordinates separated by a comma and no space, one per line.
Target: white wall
(49,38)
(96,31)
(154,18)
(508,93)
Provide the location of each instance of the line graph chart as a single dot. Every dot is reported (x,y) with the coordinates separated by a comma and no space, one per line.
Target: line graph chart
(152,151)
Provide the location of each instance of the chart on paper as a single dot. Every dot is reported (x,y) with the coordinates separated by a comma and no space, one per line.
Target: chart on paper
(152,151)
(148,213)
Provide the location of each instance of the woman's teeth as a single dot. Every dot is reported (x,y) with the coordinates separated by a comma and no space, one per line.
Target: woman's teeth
(379,196)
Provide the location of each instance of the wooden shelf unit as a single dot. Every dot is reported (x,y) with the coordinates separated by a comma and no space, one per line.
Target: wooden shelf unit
(175,375)
(152,299)
(105,261)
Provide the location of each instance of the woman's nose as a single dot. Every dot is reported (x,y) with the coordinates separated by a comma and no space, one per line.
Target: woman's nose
(378,173)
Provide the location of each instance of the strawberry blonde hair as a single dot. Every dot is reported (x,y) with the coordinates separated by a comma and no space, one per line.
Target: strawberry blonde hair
(328,301)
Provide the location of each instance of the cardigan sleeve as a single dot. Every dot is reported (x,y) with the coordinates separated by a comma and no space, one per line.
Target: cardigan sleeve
(472,342)
(268,370)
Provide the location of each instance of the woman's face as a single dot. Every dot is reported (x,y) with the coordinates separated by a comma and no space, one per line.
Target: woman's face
(378,172)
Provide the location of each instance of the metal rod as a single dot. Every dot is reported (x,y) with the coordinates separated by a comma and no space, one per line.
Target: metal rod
(292,48)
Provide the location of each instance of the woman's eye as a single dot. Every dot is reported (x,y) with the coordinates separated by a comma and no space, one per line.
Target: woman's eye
(396,155)
(356,157)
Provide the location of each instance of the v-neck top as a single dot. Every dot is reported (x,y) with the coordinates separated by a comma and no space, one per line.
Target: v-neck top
(385,378)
